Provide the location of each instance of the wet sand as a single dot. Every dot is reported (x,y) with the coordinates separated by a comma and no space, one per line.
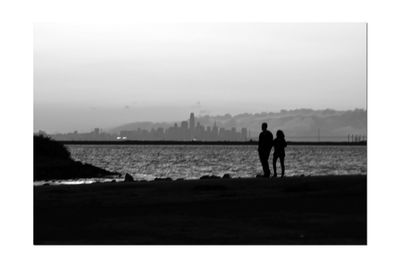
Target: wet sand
(297,210)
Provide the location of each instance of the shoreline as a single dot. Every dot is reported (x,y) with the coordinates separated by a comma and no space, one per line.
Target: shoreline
(166,142)
(247,211)
(121,179)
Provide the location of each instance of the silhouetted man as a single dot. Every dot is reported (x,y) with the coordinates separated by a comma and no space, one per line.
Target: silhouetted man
(265,141)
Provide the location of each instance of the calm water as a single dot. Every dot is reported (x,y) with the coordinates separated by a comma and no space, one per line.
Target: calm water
(193,161)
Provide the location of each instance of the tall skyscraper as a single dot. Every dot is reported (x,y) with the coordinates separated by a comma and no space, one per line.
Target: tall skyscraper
(192,129)
(191,121)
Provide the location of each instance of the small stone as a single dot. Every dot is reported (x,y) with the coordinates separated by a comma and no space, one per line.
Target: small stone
(226,176)
(128,178)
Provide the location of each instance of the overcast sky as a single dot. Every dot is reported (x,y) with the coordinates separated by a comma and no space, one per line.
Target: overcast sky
(88,76)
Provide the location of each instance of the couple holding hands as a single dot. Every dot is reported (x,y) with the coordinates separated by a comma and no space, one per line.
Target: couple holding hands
(265,143)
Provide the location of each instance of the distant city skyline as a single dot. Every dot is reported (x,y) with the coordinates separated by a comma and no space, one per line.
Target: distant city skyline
(88,76)
(187,130)
(299,125)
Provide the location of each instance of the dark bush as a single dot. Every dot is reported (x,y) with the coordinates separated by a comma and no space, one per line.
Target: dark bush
(52,160)
(44,146)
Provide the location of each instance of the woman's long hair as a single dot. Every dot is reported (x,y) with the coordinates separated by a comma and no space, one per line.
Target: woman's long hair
(280,134)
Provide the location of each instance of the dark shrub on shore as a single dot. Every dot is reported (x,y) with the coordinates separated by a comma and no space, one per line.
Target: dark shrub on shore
(44,146)
(52,160)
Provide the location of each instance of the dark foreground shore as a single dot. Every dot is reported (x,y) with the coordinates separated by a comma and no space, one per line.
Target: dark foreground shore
(306,210)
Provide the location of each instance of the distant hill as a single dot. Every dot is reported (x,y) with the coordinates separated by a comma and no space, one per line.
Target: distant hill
(300,124)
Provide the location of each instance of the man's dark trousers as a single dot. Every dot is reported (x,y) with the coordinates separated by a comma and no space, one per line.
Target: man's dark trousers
(264,155)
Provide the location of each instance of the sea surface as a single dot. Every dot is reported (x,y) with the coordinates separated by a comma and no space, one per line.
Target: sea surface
(146,162)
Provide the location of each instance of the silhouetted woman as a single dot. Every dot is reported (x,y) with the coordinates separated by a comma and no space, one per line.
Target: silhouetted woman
(279,151)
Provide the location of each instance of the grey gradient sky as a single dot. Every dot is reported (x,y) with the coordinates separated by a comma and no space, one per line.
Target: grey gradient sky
(88,76)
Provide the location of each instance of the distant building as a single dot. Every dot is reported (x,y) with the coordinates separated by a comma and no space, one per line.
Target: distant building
(215,132)
(184,133)
(191,121)
(191,126)
(184,125)
(244,134)
(94,135)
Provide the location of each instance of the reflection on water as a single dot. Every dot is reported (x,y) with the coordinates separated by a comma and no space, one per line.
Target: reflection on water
(145,162)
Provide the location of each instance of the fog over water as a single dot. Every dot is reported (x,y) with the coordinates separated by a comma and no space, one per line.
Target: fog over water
(88,76)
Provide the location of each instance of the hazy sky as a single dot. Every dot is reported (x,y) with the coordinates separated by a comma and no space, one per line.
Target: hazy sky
(88,76)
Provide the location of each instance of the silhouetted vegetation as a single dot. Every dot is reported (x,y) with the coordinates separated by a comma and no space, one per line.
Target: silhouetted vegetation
(52,160)
(44,146)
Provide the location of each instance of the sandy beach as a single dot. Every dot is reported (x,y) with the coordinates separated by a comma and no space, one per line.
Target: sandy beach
(296,210)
